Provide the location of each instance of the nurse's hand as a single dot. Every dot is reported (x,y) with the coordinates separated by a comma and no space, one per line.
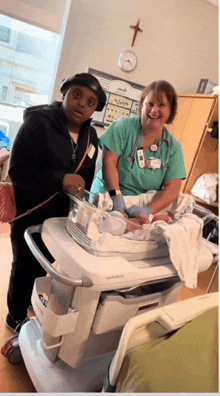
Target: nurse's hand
(118,203)
(137,211)
(73,184)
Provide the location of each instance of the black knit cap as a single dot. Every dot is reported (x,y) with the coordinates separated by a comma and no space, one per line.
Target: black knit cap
(87,80)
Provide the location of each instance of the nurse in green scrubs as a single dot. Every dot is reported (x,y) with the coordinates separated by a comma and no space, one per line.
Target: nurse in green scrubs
(140,154)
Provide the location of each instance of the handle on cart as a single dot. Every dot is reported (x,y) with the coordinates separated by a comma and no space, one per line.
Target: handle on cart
(46,264)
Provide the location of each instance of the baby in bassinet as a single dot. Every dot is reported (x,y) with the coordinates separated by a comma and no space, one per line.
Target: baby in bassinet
(113,225)
(117,223)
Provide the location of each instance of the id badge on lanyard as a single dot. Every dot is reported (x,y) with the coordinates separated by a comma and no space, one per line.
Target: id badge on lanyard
(151,163)
(141,159)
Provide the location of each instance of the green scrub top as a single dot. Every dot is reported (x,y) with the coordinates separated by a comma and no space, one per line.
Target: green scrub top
(120,138)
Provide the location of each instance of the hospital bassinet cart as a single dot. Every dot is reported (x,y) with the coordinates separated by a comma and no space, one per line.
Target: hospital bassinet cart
(87,299)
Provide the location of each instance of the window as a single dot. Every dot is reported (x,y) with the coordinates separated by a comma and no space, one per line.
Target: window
(4,93)
(28,62)
(5,34)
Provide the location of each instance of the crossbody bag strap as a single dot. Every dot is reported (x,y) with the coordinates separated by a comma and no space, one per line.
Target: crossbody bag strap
(85,154)
(29,211)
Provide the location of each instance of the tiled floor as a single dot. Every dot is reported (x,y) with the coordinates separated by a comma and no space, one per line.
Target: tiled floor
(15,378)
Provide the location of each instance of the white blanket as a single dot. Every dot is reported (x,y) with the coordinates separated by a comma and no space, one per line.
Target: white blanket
(188,251)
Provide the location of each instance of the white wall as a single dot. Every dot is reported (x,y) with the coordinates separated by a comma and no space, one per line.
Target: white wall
(179,42)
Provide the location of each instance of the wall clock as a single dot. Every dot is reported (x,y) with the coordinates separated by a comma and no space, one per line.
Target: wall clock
(127,61)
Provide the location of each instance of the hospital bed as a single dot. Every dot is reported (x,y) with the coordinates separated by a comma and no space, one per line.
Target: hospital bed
(170,349)
(83,304)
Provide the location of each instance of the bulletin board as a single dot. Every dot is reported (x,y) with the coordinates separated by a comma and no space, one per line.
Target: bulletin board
(122,98)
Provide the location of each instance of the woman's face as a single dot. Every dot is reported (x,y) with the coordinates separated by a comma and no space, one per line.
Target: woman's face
(155,111)
(79,103)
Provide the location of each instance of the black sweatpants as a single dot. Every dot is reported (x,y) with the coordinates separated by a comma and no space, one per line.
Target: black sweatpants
(25,268)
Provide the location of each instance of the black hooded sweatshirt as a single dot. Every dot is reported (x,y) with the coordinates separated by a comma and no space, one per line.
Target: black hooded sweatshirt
(42,155)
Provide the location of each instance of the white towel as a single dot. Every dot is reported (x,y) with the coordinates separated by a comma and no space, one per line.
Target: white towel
(103,201)
(188,251)
(115,223)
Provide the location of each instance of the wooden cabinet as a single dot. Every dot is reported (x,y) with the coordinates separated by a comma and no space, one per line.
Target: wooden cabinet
(192,127)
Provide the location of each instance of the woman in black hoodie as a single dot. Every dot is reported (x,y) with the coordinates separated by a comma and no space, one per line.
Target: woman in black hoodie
(48,149)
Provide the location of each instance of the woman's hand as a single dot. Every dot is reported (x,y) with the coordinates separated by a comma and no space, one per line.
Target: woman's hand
(166,196)
(137,211)
(73,184)
(118,203)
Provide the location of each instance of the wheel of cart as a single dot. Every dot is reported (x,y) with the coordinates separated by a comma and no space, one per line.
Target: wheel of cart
(11,350)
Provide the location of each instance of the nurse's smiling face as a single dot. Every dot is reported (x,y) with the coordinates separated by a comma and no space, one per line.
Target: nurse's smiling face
(155,111)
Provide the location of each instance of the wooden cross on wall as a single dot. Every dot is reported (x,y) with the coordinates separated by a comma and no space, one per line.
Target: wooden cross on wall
(136,30)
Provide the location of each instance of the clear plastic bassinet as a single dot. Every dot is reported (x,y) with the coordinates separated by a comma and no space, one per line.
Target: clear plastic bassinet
(85,225)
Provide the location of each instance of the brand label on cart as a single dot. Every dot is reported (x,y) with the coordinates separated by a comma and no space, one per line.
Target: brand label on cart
(115,277)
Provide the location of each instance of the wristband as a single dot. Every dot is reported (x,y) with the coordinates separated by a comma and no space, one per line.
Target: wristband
(112,193)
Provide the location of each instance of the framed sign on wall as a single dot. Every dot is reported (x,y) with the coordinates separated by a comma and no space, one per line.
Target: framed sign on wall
(122,98)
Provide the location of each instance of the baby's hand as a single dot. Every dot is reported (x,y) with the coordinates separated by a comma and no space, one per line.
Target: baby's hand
(171,215)
(162,217)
